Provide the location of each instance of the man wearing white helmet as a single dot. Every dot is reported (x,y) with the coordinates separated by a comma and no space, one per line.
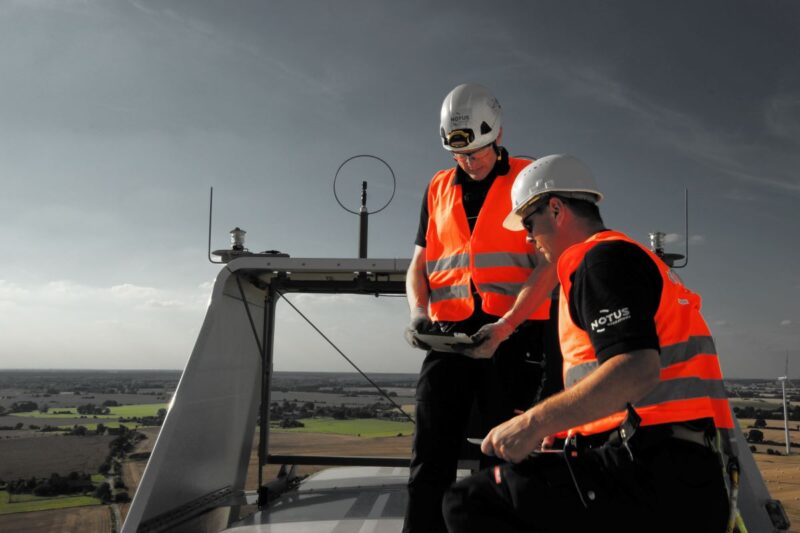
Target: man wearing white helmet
(643,396)
(465,277)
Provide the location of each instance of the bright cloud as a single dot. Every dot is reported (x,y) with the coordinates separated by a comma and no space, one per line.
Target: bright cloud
(121,326)
(66,293)
(10,291)
(135,292)
(164,304)
(677,238)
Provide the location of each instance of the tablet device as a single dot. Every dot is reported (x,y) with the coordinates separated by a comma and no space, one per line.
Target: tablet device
(478,442)
(444,342)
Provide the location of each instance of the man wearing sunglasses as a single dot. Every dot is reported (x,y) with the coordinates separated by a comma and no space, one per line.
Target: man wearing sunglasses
(643,398)
(465,277)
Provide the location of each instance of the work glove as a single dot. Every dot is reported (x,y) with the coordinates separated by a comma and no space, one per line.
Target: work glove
(486,340)
(420,323)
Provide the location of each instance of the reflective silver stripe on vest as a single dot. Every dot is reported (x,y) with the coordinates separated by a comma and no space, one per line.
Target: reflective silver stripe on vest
(577,373)
(683,351)
(503,259)
(447,263)
(449,293)
(670,355)
(508,289)
(684,389)
(670,389)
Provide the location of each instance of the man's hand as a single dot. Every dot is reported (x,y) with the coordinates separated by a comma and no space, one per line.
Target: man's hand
(548,442)
(625,378)
(512,440)
(420,323)
(487,339)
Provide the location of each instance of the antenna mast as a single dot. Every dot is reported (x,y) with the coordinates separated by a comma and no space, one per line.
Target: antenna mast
(363,219)
(363,213)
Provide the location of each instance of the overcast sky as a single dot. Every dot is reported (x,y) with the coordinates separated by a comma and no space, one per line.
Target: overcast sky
(116,118)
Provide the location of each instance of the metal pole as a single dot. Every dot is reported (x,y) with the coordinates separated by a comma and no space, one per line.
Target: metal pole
(268,336)
(363,217)
(785,416)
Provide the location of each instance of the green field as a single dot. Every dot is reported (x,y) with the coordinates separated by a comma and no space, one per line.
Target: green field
(363,427)
(24,503)
(126,411)
(768,404)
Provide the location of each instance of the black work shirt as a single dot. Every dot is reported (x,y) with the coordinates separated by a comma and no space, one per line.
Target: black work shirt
(615,294)
(473,194)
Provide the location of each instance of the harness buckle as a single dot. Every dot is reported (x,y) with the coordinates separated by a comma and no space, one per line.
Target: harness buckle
(628,428)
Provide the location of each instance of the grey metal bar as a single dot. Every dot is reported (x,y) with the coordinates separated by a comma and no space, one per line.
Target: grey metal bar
(326,460)
(171,519)
(270,302)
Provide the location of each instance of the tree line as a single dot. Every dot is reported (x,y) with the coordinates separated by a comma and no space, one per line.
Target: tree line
(287,413)
(72,483)
(767,414)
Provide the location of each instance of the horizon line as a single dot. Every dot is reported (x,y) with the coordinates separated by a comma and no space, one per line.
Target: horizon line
(298,371)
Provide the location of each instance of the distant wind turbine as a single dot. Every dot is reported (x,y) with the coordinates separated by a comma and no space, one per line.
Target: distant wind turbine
(783,379)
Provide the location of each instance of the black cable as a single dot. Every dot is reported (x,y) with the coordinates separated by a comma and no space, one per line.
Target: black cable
(377,387)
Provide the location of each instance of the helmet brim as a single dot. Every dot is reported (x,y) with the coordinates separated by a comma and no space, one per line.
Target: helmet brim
(513,221)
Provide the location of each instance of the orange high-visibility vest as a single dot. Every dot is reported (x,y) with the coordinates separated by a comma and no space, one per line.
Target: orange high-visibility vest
(496,260)
(691,380)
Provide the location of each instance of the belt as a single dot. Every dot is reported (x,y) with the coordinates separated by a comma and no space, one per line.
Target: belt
(645,437)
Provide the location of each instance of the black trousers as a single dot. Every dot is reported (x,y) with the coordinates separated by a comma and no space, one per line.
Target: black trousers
(671,485)
(448,386)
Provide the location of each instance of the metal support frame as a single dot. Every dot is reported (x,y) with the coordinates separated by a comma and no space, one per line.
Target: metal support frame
(274,288)
(265,348)
(326,460)
(268,334)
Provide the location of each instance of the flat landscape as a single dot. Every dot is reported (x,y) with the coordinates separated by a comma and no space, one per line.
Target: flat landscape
(321,417)
(362,427)
(41,456)
(76,520)
(781,473)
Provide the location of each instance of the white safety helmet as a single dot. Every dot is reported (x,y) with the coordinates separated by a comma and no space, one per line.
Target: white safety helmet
(559,174)
(471,118)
